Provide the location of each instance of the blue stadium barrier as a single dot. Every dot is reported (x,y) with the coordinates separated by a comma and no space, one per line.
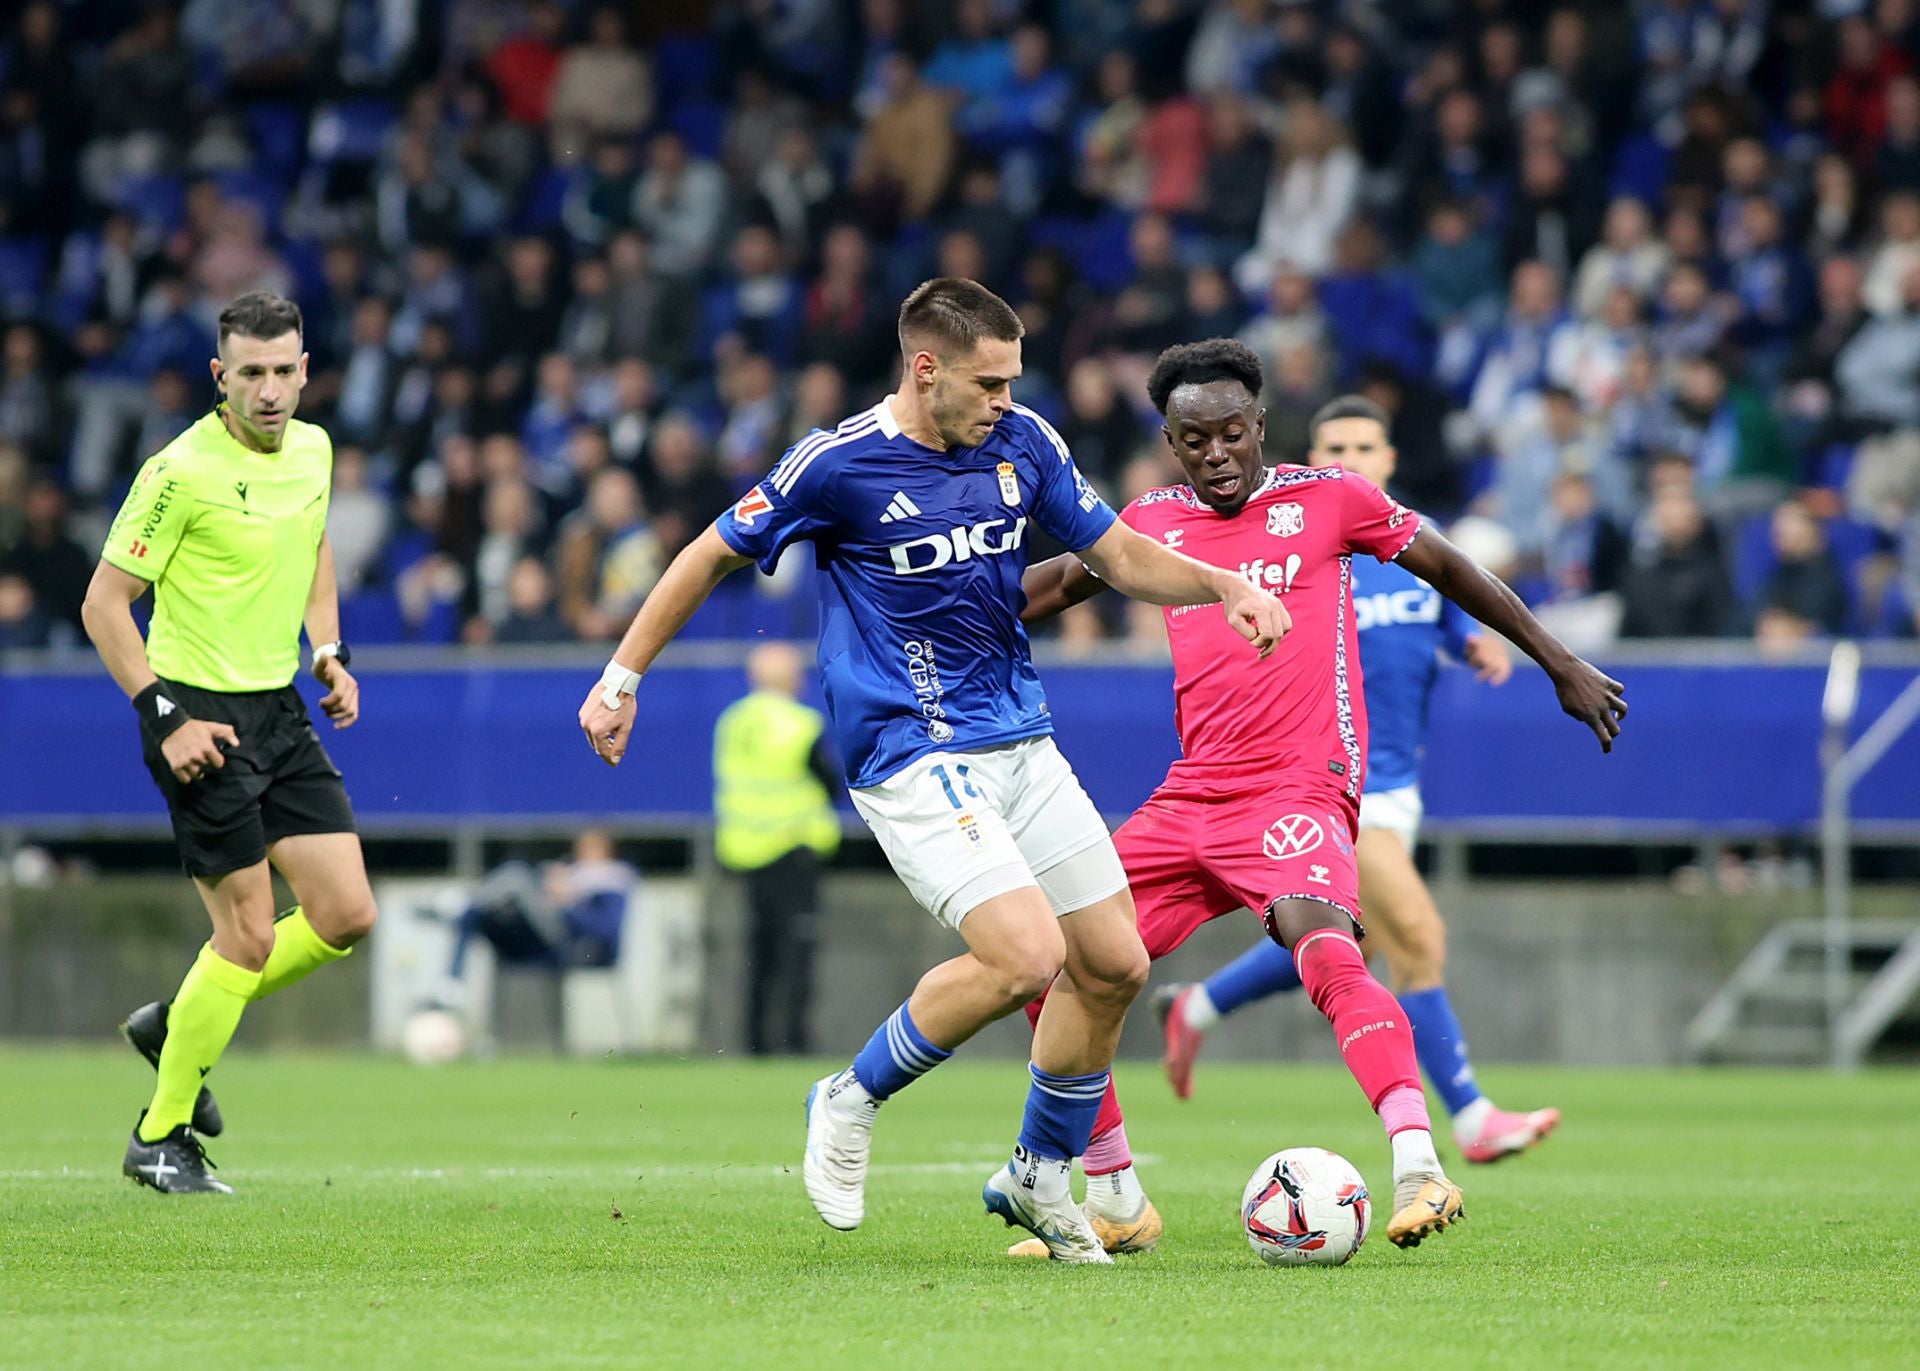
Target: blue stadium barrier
(1711,749)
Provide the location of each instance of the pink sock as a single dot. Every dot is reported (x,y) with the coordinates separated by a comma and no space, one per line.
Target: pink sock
(1368,1023)
(1108,1152)
(1404,1107)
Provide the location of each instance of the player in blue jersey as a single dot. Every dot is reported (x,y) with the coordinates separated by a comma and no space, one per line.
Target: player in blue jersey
(1405,628)
(918,511)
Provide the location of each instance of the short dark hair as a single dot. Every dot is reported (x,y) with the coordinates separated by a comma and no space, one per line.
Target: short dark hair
(260,314)
(1196,364)
(1345,407)
(949,315)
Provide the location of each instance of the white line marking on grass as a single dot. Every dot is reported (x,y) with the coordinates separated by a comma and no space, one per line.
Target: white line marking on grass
(641,1170)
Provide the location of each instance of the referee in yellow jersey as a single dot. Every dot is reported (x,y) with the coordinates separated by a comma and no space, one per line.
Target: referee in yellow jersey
(227,526)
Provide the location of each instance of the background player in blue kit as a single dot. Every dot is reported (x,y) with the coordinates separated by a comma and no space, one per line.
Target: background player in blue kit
(1405,627)
(918,510)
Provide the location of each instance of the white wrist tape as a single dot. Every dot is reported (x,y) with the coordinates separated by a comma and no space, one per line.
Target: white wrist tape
(616,681)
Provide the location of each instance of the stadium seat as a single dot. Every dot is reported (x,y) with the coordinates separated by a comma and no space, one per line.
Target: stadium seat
(349,131)
(540,210)
(278,131)
(683,68)
(158,203)
(702,123)
(1640,169)
(23,270)
(372,617)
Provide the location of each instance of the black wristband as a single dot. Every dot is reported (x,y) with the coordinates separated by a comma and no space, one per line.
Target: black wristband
(160,714)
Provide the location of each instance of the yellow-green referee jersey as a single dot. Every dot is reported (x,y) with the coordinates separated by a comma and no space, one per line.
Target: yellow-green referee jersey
(230,538)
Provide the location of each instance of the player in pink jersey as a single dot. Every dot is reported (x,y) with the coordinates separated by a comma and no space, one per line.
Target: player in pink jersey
(1261,809)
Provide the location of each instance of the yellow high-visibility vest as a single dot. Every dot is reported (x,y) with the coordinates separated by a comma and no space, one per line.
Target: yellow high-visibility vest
(767,800)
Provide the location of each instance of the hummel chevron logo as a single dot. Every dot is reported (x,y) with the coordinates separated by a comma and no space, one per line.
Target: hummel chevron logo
(163,707)
(900,507)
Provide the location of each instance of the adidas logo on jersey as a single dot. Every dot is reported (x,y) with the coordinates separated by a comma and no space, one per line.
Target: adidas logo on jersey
(900,507)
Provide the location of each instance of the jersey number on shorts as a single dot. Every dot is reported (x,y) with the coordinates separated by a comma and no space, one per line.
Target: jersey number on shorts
(961,771)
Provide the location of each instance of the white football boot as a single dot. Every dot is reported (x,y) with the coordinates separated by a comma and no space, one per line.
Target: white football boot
(839,1141)
(1059,1223)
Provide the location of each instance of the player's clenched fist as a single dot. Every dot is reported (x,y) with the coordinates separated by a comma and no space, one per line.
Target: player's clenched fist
(1256,614)
(194,749)
(607,728)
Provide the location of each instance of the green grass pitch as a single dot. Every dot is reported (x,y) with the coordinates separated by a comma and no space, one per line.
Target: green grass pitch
(554,1214)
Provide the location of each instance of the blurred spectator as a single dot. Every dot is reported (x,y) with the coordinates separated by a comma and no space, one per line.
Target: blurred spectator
(1100,429)
(849,324)
(1506,392)
(525,67)
(1691,320)
(30,410)
(23,623)
(608,558)
(679,203)
(1677,586)
(819,403)
(1239,166)
(531,616)
(510,529)
(1856,97)
(1020,121)
(603,89)
(1805,595)
(1558,441)
(904,162)
(358,519)
(1728,431)
(1457,268)
(1897,254)
(750,438)
(569,914)
(684,488)
(1878,368)
(1583,552)
(1112,166)
(1552,218)
(1311,194)
(54,567)
(762,307)
(794,192)
(1896,164)
(653,312)
(1834,219)
(975,62)
(1234,41)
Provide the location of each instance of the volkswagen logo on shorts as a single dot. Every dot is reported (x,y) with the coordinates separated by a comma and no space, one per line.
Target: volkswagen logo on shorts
(1293,836)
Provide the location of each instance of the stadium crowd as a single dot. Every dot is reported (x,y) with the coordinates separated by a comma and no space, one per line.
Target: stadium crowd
(1639,284)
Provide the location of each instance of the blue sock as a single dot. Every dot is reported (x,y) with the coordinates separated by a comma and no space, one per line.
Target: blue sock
(1262,970)
(1441,1047)
(1060,1113)
(896,1056)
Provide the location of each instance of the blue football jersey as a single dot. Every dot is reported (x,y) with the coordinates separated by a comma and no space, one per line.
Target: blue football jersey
(1405,624)
(921,554)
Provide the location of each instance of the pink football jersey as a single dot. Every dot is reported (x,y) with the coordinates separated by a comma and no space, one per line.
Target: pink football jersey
(1240,717)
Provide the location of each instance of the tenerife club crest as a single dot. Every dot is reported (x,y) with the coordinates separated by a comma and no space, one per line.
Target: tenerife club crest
(1283,521)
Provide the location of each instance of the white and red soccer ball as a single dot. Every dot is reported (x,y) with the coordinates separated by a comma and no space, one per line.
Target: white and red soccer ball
(1305,1206)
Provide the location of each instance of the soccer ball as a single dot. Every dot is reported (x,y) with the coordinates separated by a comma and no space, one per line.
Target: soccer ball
(433,1037)
(1305,1206)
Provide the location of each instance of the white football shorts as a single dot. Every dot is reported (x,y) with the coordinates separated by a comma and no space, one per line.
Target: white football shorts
(963,827)
(1397,811)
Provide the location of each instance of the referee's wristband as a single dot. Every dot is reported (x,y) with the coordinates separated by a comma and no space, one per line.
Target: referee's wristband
(616,681)
(160,714)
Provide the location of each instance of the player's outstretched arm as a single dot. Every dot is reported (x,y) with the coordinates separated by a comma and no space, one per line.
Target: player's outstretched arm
(607,715)
(1140,567)
(1057,585)
(1586,693)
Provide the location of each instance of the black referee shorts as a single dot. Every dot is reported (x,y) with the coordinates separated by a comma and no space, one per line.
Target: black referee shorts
(277,783)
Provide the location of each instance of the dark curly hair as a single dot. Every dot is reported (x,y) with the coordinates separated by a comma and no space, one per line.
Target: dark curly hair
(1195,364)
